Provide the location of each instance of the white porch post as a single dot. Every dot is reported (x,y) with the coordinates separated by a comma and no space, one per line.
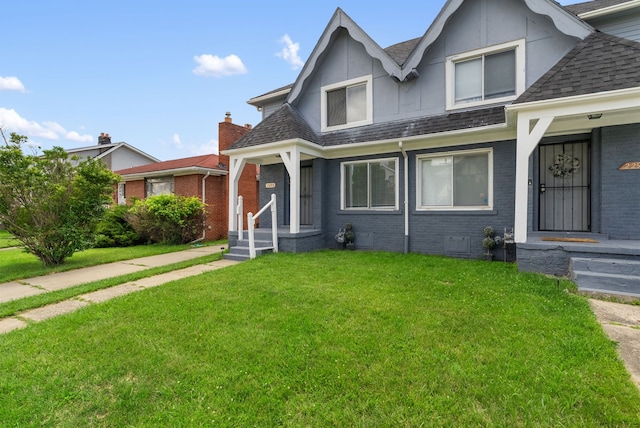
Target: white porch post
(291,160)
(528,139)
(235,169)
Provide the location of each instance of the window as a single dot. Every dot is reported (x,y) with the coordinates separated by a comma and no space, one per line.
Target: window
(122,193)
(370,185)
(159,186)
(459,180)
(485,76)
(347,104)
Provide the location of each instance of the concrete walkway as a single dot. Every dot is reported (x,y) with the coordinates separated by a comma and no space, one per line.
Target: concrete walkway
(621,322)
(58,281)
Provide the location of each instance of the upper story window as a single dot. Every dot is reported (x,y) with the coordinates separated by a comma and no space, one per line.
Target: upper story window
(490,75)
(159,186)
(456,180)
(370,185)
(347,104)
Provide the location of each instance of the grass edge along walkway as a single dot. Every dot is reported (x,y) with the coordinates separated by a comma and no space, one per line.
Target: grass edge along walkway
(20,313)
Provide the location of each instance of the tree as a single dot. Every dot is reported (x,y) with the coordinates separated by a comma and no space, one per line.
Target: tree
(49,203)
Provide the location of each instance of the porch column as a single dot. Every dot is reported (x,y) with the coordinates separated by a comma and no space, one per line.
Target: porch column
(291,160)
(527,140)
(236,165)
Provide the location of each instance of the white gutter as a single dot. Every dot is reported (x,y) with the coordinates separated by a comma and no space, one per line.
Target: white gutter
(610,10)
(406,198)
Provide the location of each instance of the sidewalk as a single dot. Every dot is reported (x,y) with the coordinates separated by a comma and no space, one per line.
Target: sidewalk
(59,281)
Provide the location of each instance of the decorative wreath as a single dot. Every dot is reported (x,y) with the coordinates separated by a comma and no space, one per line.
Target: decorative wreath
(564,166)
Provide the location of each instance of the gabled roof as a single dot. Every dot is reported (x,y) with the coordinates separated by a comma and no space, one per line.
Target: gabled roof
(106,149)
(596,5)
(599,63)
(341,20)
(402,59)
(185,166)
(287,124)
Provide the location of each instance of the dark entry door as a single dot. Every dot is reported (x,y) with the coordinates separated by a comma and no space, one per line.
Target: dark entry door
(306,193)
(565,188)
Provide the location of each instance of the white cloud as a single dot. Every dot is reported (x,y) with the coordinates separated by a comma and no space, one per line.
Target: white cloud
(11,84)
(176,141)
(74,136)
(289,52)
(214,66)
(13,122)
(206,149)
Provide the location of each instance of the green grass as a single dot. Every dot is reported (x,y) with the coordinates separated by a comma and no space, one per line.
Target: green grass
(18,264)
(14,307)
(7,240)
(325,339)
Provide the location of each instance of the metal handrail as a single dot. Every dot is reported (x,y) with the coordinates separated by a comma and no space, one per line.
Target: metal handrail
(251,223)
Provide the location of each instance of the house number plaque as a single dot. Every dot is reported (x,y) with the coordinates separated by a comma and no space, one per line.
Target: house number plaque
(270,185)
(630,166)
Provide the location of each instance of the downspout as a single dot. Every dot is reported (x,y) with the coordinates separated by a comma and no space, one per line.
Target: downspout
(406,198)
(204,231)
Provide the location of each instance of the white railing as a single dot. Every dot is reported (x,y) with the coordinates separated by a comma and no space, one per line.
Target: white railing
(239,209)
(251,223)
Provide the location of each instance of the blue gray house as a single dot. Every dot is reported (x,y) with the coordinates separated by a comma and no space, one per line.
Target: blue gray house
(522,115)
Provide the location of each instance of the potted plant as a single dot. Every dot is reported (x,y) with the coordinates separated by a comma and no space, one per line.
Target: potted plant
(489,243)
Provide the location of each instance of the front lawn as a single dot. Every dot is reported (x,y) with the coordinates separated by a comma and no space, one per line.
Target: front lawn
(7,239)
(325,339)
(18,264)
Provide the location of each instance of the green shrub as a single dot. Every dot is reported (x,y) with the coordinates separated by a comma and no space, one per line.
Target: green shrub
(168,219)
(114,230)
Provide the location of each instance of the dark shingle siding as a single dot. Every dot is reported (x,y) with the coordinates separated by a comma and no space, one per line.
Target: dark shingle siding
(599,63)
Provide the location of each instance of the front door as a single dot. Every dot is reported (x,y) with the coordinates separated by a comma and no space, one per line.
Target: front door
(564,190)
(306,192)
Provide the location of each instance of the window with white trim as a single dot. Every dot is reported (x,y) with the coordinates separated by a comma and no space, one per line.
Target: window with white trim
(456,180)
(490,75)
(347,104)
(370,185)
(159,186)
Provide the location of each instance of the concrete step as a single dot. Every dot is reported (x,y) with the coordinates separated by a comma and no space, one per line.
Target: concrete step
(611,276)
(241,253)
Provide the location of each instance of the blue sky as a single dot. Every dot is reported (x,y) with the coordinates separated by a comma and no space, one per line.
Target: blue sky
(160,75)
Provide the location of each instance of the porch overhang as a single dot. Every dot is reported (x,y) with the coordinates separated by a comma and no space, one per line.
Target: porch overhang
(562,116)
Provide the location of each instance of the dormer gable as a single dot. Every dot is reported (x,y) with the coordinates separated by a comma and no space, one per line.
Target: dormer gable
(339,21)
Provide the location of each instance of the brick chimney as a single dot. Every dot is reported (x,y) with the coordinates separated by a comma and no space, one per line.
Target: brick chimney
(104,139)
(228,133)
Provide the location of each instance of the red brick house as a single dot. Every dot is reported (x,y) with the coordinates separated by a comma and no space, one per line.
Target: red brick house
(204,176)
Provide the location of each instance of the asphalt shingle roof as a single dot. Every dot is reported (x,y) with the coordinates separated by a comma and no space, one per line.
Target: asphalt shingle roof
(599,63)
(202,161)
(590,6)
(287,123)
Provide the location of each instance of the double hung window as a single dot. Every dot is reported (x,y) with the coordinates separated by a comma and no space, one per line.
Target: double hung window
(486,76)
(370,185)
(347,104)
(457,180)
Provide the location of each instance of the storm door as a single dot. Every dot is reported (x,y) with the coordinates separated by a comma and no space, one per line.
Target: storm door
(306,192)
(565,187)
